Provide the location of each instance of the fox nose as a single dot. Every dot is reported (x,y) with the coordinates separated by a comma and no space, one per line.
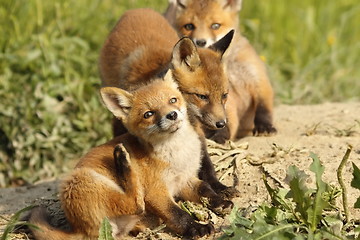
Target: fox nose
(172,115)
(220,124)
(201,42)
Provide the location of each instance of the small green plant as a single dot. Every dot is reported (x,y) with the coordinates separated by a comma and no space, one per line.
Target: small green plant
(105,231)
(296,213)
(15,221)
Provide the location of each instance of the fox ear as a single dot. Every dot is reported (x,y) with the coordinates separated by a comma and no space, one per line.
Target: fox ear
(180,3)
(169,79)
(118,101)
(185,52)
(234,5)
(223,43)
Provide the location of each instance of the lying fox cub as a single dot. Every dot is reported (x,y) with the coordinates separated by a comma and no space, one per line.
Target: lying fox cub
(157,160)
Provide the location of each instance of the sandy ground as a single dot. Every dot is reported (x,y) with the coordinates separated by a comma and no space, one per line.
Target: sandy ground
(325,129)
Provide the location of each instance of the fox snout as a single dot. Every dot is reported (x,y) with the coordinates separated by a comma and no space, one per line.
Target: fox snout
(220,124)
(170,122)
(214,118)
(172,115)
(200,42)
(213,123)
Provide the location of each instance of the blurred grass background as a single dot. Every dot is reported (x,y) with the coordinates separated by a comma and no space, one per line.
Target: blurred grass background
(50,110)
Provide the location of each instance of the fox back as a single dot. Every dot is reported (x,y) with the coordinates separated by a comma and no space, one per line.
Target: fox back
(137,49)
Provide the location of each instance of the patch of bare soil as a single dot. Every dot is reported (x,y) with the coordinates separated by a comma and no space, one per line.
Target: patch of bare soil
(325,129)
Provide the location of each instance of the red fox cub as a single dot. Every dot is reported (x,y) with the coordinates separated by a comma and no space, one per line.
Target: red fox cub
(250,103)
(150,166)
(143,45)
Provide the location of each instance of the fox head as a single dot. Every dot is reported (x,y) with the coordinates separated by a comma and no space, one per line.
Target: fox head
(204,21)
(200,75)
(152,113)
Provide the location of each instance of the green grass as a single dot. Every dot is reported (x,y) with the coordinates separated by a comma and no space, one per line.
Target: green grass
(50,110)
(299,212)
(311,47)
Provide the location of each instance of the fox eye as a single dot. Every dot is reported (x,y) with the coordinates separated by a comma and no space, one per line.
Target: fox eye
(148,114)
(202,97)
(215,26)
(224,96)
(189,26)
(173,100)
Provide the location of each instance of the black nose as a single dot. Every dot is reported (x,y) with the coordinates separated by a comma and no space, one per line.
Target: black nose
(220,124)
(172,115)
(201,42)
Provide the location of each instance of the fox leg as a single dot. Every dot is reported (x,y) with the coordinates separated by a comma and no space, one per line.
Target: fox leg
(207,174)
(198,191)
(264,110)
(162,205)
(122,166)
(88,196)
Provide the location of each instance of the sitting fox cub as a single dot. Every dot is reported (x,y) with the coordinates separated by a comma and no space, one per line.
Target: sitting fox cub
(250,104)
(156,161)
(143,45)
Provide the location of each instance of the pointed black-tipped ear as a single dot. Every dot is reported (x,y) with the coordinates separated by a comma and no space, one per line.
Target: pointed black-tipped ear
(181,3)
(185,52)
(117,100)
(223,44)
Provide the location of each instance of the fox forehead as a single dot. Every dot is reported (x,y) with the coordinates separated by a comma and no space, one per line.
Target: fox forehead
(208,79)
(199,6)
(204,13)
(155,96)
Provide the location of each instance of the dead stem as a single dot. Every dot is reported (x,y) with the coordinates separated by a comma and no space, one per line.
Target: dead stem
(342,184)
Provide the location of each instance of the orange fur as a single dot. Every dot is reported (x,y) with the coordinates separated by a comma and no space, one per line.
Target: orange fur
(250,103)
(143,174)
(143,46)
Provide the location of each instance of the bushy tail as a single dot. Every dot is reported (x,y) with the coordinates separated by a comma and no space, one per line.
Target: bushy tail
(39,217)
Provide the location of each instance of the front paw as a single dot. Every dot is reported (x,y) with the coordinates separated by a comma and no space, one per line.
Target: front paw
(219,205)
(196,230)
(229,193)
(224,191)
(264,129)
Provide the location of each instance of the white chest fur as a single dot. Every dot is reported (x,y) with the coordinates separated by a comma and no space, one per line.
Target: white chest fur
(182,151)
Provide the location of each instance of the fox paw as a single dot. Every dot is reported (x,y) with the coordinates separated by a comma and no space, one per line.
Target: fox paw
(122,162)
(225,192)
(264,129)
(196,230)
(229,193)
(121,156)
(221,207)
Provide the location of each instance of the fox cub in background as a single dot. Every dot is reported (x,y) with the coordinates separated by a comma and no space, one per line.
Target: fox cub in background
(150,166)
(250,102)
(143,45)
